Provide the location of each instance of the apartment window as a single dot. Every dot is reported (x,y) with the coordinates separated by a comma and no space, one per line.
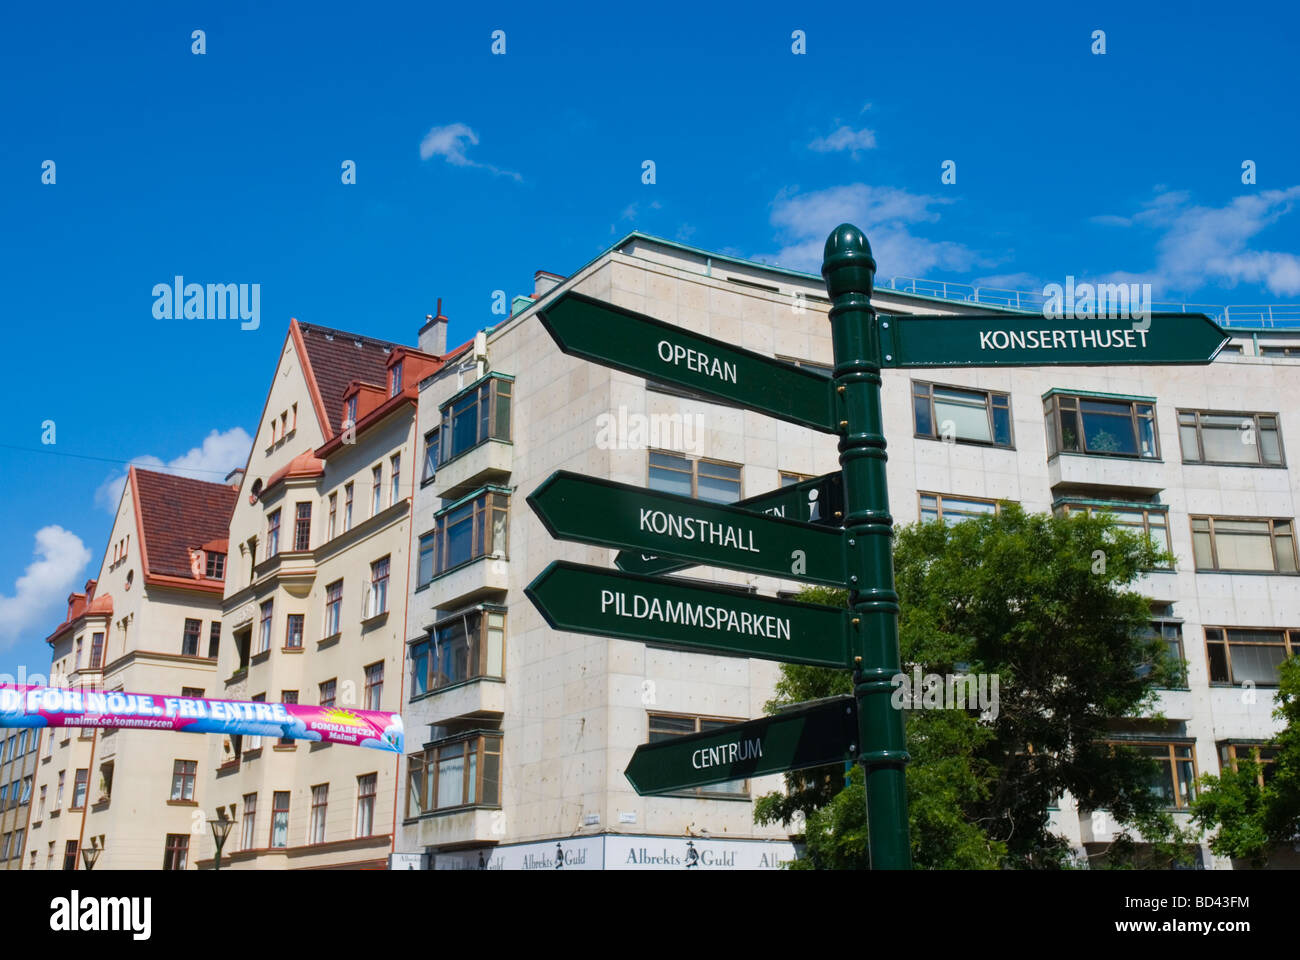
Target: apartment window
(1260,754)
(1150,521)
(397,380)
(1174,779)
(195,693)
(293,632)
(394,478)
(710,480)
(79,789)
(326,692)
(58,796)
(27,790)
(347,507)
(293,421)
(789,479)
(366,804)
(1230,438)
(302,527)
(938,506)
(480,413)
(280,818)
(265,633)
(1171,632)
(1239,655)
(22,742)
(471,529)
(350,409)
(177,851)
(76,663)
(40,803)
(7,747)
(374,686)
(1279,351)
(183,775)
(19,836)
(287,696)
(97,651)
(377,601)
(334,608)
(214,640)
(216,566)
(962,414)
(455,773)
(424,568)
(430,455)
(319,803)
(190,642)
(49,857)
(376,488)
(333,516)
(4,796)
(273,533)
(4,846)
(69,855)
(665,726)
(248,832)
(460,648)
(1241,544)
(255,741)
(1100,427)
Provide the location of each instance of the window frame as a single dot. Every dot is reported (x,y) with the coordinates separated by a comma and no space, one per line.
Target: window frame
(248,824)
(1064,505)
(185,775)
(371,685)
(487,422)
(916,393)
(694,473)
(367,801)
(425,766)
(277,810)
(1272,537)
(483,506)
(302,526)
(939,499)
(333,609)
(273,533)
(1171,761)
(477,642)
(1255,417)
(188,648)
(1055,432)
(712,791)
(1290,644)
(377,588)
(319,812)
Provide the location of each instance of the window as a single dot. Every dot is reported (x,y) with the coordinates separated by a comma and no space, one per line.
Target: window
(40,803)
(397,380)
(76,664)
(248,834)
(194,692)
(216,566)
(473,528)
(49,857)
(666,726)
(962,414)
(1097,427)
(177,852)
(79,789)
(190,642)
(1174,779)
(350,409)
(709,480)
(273,533)
(280,818)
(1246,438)
(319,801)
(455,773)
(265,634)
(1260,754)
(326,696)
(424,569)
(480,413)
(937,506)
(374,686)
(334,608)
(1171,631)
(460,648)
(22,742)
(789,479)
(4,796)
(1246,545)
(302,527)
(69,855)
(366,804)
(183,775)
(430,456)
(825,369)
(214,640)
(58,796)
(377,601)
(19,836)
(287,696)
(1279,351)
(394,478)
(376,488)
(333,516)
(255,741)
(1137,518)
(347,507)
(97,651)
(293,632)
(1239,655)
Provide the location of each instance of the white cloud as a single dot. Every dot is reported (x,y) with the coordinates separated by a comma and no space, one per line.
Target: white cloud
(219,454)
(887,214)
(1010,281)
(1199,245)
(42,590)
(845,138)
(450,143)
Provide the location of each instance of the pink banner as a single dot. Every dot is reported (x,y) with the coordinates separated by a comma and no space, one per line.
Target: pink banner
(28,706)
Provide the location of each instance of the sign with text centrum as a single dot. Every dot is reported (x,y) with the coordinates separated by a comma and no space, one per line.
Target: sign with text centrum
(1031,341)
(641,345)
(599,511)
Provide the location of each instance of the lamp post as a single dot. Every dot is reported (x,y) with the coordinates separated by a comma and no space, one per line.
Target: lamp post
(89,855)
(220,830)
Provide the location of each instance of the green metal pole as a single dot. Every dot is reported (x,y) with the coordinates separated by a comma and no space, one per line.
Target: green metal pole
(849,271)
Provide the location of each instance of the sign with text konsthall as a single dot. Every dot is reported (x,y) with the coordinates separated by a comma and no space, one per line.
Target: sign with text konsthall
(1032,341)
(606,513)
(804,736)
(634,343)
(706,618)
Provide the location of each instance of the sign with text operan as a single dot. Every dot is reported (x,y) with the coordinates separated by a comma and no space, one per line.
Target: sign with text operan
(610,514)
(707,618)
(804,736)
(1031,341)
(616,337)
(819,500)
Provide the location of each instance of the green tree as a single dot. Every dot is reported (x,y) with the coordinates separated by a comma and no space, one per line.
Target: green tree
(1041,602)
(1252,819)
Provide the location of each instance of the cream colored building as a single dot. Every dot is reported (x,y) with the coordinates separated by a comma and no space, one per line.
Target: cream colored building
(18,761)
(517,735)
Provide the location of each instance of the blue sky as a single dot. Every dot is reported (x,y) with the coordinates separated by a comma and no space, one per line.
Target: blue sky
(474,170)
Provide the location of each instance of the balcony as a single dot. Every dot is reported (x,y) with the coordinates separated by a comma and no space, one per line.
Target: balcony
(474,699)
(472,825)
(479,579)
(1135,477)
(487,463)
(295,570)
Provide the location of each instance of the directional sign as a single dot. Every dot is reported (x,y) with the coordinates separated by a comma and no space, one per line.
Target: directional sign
(1031,341)
(632,342)
(594,510)
(706,618)
(806,736)
(819,500)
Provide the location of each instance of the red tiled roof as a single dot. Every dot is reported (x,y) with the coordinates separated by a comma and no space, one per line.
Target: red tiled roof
(337,358)
(177,514)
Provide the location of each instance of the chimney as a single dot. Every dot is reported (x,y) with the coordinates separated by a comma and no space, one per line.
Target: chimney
(544,283)
(235,478)
(433,335)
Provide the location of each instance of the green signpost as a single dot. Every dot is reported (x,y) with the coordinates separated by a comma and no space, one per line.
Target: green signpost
(808,735)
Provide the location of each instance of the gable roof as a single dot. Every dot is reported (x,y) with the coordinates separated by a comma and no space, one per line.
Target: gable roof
(175,515)
(334,359)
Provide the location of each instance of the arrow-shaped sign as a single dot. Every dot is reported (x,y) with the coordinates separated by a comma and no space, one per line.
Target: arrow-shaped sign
(615,337)
(599,511)
(705,618)
(804,736)
(819,500)
(1032,341)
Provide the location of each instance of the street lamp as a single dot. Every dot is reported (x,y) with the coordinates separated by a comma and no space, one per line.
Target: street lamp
(220,830)
(90,855)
